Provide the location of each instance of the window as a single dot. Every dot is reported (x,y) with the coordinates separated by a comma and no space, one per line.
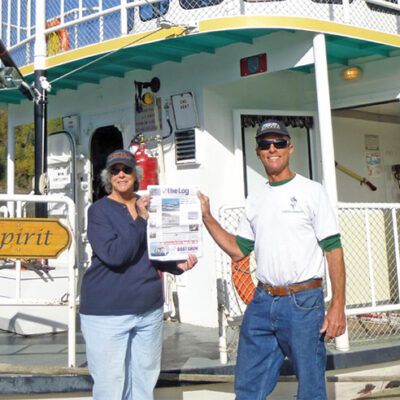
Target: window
(153,10)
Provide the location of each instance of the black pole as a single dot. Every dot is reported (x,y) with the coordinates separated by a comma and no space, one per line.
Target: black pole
(40,122)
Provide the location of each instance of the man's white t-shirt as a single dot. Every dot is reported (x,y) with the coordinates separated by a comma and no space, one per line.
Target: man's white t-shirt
(286,223)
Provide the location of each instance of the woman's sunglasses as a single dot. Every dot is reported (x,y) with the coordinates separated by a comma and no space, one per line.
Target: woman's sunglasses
(278,144)
(126,170)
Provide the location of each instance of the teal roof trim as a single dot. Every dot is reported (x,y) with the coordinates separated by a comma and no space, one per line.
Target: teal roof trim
(340,51)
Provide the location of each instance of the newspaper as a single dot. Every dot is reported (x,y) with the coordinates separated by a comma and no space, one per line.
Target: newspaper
(173,227)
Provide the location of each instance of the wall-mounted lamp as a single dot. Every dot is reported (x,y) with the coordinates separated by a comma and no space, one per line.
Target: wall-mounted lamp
(147,98)
(351,73)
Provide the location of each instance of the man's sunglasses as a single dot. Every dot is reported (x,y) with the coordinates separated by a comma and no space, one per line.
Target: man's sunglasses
(126,170)
(278,144)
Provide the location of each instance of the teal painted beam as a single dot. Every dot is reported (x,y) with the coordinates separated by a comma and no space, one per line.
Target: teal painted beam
(232,36)
(157,54)
(188,47)
(130,63)
(108,71)
(64,84)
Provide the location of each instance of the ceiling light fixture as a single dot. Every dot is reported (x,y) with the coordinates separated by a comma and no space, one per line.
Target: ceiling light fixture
(351,73)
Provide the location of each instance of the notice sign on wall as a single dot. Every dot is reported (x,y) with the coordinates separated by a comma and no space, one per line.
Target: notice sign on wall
(145,121)
(184,111)
(71,125)
(373,155)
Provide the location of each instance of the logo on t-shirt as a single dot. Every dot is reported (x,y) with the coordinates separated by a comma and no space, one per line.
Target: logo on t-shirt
(293,206)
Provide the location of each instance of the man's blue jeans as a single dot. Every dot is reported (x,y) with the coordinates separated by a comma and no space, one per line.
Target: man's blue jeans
(124,354)
(275,327)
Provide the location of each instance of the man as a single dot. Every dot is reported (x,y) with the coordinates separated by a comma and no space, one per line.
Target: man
(290,224)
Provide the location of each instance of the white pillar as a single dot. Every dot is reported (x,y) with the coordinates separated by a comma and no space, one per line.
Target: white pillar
(124,18)
(326,136)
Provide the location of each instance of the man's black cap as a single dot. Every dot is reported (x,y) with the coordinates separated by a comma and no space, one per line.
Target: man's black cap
(272,126)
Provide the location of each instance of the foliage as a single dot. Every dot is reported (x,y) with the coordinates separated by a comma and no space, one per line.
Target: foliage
(24,152)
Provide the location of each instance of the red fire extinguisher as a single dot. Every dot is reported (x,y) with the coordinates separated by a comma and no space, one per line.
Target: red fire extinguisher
(148,161)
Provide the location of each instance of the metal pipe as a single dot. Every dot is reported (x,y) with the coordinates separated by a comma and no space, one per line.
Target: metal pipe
(19,20)
(29,32)
(40,106)
(396,247)
(18,262)
(124,18)
(346,11)
(8,23)
(369,254)
(384,4)
(1,20)
(376,309)
(40,123)
(161,163)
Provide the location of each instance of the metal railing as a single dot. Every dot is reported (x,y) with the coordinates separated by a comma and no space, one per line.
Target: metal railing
(81,25)
(370,238)
(18,203)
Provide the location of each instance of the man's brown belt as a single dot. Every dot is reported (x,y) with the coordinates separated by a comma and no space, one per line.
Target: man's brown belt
(297,287)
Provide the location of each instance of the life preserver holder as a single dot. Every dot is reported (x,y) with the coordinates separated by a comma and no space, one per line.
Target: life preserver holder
(62,34)
(242,279)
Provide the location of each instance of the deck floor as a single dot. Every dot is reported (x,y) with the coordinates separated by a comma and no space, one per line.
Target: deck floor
(187,349)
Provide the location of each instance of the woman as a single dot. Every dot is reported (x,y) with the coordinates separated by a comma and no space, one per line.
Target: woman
(121,296)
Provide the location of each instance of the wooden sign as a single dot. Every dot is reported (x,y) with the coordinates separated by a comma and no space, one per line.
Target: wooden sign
(33,238)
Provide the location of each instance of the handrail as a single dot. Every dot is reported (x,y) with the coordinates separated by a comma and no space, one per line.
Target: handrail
(19,199)
(386,4)
(361,224)
(176,10)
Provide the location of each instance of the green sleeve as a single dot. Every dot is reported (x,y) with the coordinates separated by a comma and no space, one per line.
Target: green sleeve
(331,242)
(246,246)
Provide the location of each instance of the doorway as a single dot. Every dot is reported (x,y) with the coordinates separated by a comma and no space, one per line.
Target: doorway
(105,140)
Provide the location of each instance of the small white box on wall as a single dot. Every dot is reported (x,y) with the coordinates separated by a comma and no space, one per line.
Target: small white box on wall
(185,113)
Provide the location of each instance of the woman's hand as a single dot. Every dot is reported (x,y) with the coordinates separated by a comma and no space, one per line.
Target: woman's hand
(187,264)
(142,205)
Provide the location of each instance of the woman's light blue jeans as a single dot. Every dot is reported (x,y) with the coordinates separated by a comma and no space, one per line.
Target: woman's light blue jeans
(123,354)
(275,327)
